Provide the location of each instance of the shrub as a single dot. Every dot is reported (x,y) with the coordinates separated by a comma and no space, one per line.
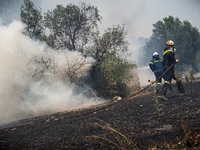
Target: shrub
(112,74)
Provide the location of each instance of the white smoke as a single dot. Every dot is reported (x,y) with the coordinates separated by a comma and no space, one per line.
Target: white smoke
(145,74)
(27,89)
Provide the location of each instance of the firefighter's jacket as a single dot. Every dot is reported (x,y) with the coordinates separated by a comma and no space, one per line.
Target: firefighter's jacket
(156,65)
(168,58)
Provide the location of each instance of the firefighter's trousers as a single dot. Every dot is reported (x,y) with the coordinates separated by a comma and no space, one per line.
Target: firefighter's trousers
(168,76)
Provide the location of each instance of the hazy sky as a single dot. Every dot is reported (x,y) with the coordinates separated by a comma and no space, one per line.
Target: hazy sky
(138,15)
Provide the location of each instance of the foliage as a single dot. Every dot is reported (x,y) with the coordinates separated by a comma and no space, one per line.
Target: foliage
(71,26)
(112,75)
(110,72)
(31,16)
(75,28)
(186,38)
(113,41)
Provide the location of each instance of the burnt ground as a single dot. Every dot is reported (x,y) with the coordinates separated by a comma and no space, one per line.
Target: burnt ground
(141,122)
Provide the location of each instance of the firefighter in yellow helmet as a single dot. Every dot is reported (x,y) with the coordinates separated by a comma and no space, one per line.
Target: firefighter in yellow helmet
(168,66)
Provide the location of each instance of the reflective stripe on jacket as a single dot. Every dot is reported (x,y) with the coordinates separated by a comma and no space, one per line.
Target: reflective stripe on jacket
(156,65)
(168,57)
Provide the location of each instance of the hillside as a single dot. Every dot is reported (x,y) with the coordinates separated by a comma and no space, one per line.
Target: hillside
(141,122)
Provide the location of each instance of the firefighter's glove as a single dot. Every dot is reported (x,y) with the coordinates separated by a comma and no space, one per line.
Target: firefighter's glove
(174,50)
(176,61)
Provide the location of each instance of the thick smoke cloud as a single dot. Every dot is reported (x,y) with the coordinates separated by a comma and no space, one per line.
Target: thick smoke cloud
(23,95)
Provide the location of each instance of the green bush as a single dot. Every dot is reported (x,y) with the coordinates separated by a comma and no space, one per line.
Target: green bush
(112,74)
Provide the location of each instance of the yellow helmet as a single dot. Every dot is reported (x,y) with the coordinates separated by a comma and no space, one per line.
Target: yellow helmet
(170,43)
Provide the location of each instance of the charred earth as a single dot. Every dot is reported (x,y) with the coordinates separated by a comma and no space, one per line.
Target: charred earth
(142,122)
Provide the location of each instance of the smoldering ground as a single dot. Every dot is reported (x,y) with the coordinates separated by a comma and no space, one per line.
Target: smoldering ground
(35,80)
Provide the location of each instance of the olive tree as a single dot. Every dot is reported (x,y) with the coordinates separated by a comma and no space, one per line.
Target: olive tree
(112,41)
(71,26)
(111,72)
(185,36)
(32,17)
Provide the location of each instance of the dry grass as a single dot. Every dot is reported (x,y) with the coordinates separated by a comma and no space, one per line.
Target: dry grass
(117,140)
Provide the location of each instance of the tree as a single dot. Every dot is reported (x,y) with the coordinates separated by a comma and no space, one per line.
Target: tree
(113,41)
(31,16)
(111,71)
(116,72)
(71,26)
(186,38)
(75,28)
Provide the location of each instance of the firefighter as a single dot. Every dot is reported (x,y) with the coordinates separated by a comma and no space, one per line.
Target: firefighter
(157,68)
(168,66)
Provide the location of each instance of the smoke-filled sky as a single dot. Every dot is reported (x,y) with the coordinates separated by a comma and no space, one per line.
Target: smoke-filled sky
(138,15)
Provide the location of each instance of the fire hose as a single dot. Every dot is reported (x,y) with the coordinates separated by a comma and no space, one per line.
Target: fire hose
(128,97)
(122,100)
